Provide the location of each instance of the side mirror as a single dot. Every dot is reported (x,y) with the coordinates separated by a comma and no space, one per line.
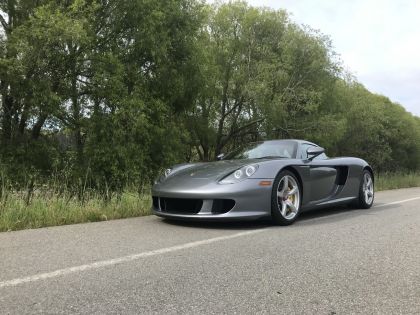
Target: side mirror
(220,156)
(313,152)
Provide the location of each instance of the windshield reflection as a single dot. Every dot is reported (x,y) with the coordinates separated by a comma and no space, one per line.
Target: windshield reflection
(268,149)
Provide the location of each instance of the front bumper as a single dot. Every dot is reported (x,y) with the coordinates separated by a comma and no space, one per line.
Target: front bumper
(250,201)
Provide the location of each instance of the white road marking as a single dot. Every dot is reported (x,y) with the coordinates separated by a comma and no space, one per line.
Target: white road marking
(115,261)
(120,260)
(397,202)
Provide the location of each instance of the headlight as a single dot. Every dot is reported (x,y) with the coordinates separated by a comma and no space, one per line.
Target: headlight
(165,174)
(240,174)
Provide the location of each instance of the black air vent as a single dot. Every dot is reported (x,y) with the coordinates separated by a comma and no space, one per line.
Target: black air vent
(179,205)
(222,205)
(155,202)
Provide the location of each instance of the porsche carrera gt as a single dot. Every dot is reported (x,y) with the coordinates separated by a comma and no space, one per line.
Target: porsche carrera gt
(278,179)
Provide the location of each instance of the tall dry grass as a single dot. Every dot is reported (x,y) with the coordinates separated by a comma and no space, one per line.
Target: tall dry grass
(57,203)
(386,181)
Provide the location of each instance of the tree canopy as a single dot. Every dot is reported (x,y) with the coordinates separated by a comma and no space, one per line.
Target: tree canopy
(107,93)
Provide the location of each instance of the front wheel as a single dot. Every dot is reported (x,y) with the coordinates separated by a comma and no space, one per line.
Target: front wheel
(285,198)
(366,191)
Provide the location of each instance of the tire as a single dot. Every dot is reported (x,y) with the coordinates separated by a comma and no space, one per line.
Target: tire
(285,211)
(366,191)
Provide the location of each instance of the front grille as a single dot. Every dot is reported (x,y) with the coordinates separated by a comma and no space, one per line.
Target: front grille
(222,205)
(179,205)
(191,206)
(155,202)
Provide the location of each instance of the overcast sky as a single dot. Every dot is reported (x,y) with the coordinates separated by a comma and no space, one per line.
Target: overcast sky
(378,40)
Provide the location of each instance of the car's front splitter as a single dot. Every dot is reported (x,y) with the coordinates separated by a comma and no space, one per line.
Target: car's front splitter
(250,201)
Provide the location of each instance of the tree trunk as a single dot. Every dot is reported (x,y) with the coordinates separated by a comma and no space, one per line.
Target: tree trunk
(77,119)
(36,131)
(6,123)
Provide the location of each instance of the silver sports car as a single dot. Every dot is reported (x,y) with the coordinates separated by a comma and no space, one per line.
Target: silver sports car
(277,179)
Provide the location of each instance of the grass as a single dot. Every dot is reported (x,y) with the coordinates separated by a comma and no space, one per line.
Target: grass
(396,181)
(18,210)
(43,210)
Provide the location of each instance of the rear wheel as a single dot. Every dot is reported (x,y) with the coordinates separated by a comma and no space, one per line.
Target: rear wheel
(366,191)
(285,198)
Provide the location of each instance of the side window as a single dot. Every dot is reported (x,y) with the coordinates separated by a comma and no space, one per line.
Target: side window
(322,156)
(304,155)
(303,148)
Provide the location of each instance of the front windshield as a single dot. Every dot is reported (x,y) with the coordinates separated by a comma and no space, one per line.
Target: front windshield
(258,150)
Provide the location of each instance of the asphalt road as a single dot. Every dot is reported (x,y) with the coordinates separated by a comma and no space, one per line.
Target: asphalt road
(336,261)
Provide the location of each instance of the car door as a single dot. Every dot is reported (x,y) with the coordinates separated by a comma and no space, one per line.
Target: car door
(322,175)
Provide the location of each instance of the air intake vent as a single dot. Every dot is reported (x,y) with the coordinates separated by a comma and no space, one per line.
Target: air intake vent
(222,205)
(179,205)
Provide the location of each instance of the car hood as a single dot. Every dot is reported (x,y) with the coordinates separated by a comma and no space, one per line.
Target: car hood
(209,170)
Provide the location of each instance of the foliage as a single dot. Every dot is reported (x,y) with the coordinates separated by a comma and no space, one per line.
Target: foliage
(47,209)
(104,94)
(387,181)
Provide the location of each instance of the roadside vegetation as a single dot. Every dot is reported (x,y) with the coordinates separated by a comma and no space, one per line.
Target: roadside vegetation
(97,97)
(49,209)
(397,180)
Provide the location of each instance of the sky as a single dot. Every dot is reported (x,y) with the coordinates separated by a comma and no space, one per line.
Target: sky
(378,40)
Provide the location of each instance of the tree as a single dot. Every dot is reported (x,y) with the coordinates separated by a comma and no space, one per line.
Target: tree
(260,73)
(107,93)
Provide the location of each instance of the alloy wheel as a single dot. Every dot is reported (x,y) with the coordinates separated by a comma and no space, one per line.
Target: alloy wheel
(288,197)
(368,188)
